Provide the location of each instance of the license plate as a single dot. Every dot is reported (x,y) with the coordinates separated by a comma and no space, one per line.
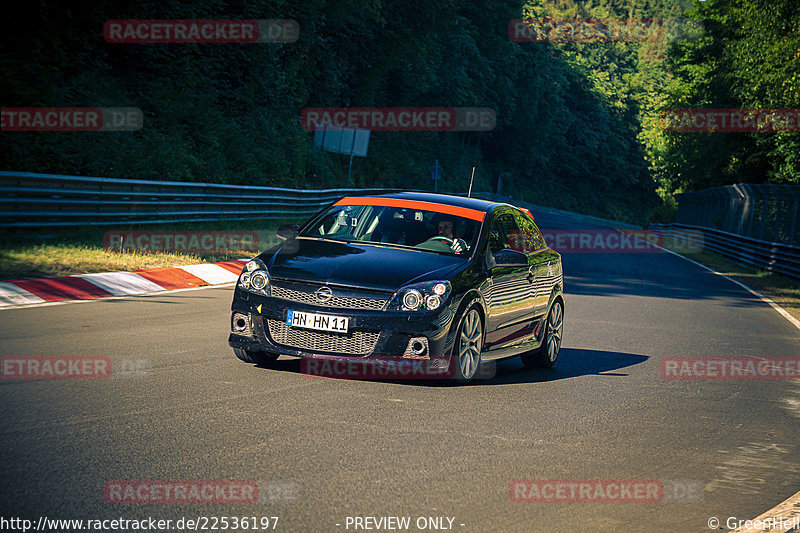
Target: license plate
(300,319)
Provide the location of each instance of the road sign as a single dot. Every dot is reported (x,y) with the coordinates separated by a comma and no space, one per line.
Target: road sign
(347,141)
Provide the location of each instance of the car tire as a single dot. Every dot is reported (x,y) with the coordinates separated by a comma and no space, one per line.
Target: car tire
(545,356)
(467,346)
(257,358)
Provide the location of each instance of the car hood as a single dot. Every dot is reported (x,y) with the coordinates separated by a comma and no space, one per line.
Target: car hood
(359,265)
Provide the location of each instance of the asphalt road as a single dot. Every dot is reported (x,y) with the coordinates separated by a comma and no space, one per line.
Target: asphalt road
(339,448)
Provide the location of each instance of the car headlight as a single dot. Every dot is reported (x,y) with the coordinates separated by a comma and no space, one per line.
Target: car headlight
(426,296)
(411,299)
(255,278)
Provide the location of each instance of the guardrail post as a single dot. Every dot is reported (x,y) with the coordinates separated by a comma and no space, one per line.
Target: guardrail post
(763,226)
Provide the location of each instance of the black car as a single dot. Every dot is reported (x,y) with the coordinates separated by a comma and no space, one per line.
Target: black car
(404,277)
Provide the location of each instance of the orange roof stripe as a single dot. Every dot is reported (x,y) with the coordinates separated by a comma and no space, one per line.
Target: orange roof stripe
(464,212)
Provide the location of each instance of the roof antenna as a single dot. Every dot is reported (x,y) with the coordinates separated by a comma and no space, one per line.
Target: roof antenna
(469,194)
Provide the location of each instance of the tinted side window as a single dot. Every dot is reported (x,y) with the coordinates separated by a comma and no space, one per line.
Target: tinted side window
(530,236)
(503,233)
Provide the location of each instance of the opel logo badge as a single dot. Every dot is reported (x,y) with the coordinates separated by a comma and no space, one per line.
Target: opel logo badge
(323,294)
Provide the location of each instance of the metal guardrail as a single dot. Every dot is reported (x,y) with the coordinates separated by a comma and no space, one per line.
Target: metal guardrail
(767,212)
(772,256)
(552,210)
(46,200)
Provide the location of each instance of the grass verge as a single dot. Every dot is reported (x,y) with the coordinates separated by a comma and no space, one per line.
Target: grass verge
(38,254)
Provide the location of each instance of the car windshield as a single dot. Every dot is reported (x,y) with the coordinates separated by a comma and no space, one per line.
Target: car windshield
(397,226)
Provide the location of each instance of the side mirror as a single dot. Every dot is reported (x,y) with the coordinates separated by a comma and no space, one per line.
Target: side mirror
(287,231)
(510,258)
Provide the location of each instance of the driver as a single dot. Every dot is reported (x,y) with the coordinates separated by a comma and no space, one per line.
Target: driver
(446,229)
(445,226)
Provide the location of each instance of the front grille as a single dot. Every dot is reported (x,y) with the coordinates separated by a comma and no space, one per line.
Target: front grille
(353,343)
(306,295)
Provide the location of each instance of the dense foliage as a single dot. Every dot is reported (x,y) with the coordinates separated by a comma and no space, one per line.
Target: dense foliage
(577,123)
(748,57)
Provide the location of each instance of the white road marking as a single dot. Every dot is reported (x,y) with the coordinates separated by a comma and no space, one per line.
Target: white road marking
(787,512)
(786,516)
(752,291)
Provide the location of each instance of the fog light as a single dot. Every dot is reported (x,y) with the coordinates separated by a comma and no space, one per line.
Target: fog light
(241,324)
(417,348)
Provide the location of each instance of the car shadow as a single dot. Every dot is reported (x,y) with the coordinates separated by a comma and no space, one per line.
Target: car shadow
(572,362)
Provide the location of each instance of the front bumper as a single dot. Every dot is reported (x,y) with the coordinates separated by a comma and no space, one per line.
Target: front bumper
(390,331)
